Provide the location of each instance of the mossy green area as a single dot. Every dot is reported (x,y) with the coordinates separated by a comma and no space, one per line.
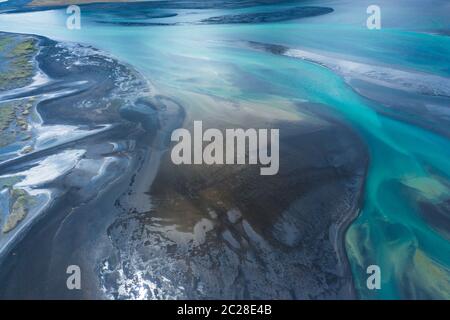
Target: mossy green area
(16,60)
(16,70)
(13,121)
(20,202)
(9,182)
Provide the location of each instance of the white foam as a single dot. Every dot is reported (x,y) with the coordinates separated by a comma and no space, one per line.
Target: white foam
(48,169)
(52,135)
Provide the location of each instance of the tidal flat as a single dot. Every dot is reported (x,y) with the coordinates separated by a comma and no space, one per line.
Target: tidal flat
(54,157)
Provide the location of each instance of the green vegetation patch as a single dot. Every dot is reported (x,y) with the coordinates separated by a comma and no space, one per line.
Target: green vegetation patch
(5,41)
(20,200)
(13,121)
(17,66)
(9,182)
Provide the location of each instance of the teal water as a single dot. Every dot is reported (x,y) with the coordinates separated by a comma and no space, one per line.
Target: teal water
(409,165)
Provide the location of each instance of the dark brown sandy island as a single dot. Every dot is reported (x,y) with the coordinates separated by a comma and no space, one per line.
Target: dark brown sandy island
(225,232)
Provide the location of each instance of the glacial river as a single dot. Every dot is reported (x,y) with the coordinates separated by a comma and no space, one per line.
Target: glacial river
(392,86)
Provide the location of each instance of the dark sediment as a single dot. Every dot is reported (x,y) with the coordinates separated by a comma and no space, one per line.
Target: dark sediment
(226,232)
(266,17)
(259,17)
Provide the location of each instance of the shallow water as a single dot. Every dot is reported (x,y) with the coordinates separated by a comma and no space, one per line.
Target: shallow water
(409,160)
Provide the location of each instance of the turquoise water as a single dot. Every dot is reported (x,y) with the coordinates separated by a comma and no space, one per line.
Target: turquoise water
(409,165)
